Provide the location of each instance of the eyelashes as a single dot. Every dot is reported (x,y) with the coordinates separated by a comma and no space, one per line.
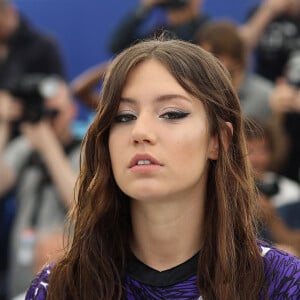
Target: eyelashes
(170,115)
(174,115)
(125,117)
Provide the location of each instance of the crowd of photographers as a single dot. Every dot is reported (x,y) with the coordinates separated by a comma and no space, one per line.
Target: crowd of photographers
(39,153)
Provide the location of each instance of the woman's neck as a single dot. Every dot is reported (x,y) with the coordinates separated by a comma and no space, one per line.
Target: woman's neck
(166,234)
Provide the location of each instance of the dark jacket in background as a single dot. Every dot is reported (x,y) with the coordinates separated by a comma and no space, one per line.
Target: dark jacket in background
(128,30)
(30,52)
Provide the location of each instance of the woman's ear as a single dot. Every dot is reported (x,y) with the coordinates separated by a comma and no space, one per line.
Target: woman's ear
(213,151)
(227,134)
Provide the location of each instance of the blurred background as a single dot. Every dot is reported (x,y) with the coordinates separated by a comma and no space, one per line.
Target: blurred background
(258,41)
(83,27)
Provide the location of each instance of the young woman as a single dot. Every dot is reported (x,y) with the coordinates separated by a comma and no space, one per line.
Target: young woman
(166,203)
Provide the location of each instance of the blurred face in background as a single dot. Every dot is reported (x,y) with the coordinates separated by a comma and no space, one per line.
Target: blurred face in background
(196,4)
(190,4)
(61,102)
(185,13)
(259,155)
(234,68)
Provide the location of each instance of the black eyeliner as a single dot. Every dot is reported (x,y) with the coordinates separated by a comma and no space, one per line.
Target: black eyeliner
(174,115)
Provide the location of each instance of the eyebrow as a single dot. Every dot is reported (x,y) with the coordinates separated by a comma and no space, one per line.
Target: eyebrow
(160,98)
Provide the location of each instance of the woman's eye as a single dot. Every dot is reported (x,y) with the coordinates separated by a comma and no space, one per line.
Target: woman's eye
(123,118)
(173,115)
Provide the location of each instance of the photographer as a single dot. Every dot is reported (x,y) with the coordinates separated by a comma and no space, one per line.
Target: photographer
(23,49)
(279,197)
(273,30)
(285,103)
(222,39)
(41,165)
(183,19)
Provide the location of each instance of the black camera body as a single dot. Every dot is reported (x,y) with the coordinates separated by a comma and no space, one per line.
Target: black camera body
(269,189)
(32,91)
(174,4)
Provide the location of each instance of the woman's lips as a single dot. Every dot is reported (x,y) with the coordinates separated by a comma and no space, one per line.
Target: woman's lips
(143,159)
(144,163)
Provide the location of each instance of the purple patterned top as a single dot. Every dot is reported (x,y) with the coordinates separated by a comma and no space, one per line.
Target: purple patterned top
(282,271)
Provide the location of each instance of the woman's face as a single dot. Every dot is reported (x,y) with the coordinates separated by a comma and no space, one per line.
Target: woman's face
(61,101)
(159,143)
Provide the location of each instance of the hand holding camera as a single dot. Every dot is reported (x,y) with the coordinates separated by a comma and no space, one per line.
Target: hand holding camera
(40,135)
(24,109)
(284,97)
(10,109)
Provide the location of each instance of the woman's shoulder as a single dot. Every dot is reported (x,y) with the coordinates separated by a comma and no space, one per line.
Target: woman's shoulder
(282,271)
(39,285)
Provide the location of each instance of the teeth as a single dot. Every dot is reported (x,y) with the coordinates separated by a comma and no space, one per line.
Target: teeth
(144,162)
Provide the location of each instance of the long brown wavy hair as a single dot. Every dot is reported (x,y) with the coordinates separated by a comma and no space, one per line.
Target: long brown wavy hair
(230,264)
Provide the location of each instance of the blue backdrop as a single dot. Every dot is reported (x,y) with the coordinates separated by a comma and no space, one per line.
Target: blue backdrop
(83,27)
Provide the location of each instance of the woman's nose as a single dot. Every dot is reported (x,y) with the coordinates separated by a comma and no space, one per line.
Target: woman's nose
(144,129)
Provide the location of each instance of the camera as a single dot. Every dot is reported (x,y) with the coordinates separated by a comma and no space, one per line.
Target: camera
(32,91)
(293,69)
(268,188)
(174,4)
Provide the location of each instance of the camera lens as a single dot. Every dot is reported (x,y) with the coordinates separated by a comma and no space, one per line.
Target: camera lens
(293,69)
(49,86)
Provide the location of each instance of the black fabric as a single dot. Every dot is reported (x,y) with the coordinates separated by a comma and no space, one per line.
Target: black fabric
(7,213)
(144,274)
(291,167)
